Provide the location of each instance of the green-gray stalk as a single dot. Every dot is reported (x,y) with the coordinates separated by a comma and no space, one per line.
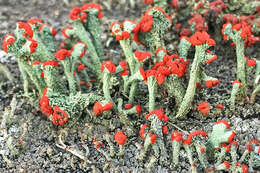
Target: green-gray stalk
(111,145)
(242,158)
(83,36)
(189,155)
(69,75)
(183,48)
(152,89)
(48,39)
(221,156)
(151,163)
(175,87)
(90,66)
(38,82)
(202,155)
(106,87)
(121,150)
(5,71)
(233,152)
(126,111)
(53,79)
(42,52)
(176,152)
(254,93)
(190,92)
(93,26)
(126,46)
(234,92)
(147,143)
(241,66)
(24,76)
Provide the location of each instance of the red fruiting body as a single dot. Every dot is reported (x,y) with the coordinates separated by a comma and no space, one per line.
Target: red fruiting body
(128,106)
(159,50)
(211,59)
(64,32)
(176,136)
(185,32)
(81,67)
(38,62)
(231,137)
(165,129)
(203,108)
(199,38)
(76,13)
(8,40)
(159,113)
(93,6)
(138,109)
(32,45)
(28,32)
(141,70)
(44,106)
(193,134)
(42,74)
(120,138)
(202,149)
(148,2)
(98,108)
(51,63)
(153,137)
(249,147)
(109,66)
(59,116)
(34,21)
(220,106)
(211,83)
(141,56)
(199,5)
(62,54)
(107,106)
(227,165)
(251,62)
(244,168)
(146,23)
(175,4)
(237,82)
(200,24)
(79,43)
(112,26)
(142,131)
(223,122)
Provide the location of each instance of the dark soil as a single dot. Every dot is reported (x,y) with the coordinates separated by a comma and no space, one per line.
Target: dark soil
(34,138)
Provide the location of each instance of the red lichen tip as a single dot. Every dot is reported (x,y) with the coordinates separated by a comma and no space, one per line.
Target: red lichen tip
(50,63)
(77,14)
(81,67)
(176,136)
(28,32)
(249,147)
(120,138)
(165,129)
(111,68)
(62,54)
(231,137)
(98,108)
(223,122)
(38,62)
(244,168)
(142,131)
(204,108)
(220,106)
(213,58)
(193,134)
(64,32)
(148,2)
(237,82)
(107,106)
(8,40)
(44,105)
(34,21)
(227,165)
(159,113)
(141,56)
(153,137)
(128,106)
(138,109)
(146,23)
(59,116)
